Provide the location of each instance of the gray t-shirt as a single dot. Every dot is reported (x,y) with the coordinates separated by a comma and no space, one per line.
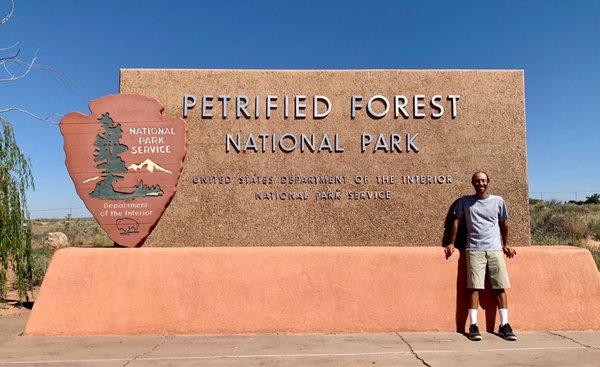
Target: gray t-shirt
(481,217)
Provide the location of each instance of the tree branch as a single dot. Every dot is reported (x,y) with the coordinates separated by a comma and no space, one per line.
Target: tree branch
(3,60)
(8,64)
(16,60)
(9,14)
(7,70)
(12,68)
(9,47)
(51,119)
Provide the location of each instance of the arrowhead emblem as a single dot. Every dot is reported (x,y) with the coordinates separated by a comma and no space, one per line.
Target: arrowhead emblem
(125,159)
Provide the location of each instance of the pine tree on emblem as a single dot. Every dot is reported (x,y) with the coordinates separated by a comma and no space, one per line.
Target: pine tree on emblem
(108,149)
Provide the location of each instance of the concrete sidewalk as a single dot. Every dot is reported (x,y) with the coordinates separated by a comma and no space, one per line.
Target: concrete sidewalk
(347,350)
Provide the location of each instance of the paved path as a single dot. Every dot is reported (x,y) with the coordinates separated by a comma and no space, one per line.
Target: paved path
(347,350)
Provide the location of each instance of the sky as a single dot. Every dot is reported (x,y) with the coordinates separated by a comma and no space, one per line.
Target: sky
(85,43)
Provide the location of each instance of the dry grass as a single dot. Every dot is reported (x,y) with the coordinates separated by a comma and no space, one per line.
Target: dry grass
(556,223)
(81,232)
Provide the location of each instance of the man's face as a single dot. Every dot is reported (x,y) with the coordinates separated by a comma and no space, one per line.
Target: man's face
(480,183)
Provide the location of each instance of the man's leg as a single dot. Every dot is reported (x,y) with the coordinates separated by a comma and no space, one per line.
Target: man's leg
(502,305)
(500,281)
(473,305)
(476,263)
(502,298)
(474,298)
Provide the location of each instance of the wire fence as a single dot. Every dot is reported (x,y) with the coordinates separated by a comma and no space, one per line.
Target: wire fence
(73,212)
(563,196)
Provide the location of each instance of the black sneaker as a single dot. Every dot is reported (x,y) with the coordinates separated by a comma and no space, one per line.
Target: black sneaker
(506,332)
(474,333)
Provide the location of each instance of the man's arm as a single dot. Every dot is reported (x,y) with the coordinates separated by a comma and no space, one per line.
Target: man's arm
(509,251)
(449,249)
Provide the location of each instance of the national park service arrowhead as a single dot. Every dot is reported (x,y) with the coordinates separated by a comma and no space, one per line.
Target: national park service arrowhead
(125,159)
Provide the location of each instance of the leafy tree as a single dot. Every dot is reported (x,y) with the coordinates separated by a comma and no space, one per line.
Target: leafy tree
(15,227)
(593,199)
(15,171)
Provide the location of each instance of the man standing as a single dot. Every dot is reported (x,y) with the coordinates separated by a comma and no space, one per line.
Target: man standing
(485,216)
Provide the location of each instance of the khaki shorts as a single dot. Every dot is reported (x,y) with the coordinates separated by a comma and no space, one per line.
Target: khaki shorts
(478,261)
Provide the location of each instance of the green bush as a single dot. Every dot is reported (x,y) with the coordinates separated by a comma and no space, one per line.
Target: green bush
(41,257)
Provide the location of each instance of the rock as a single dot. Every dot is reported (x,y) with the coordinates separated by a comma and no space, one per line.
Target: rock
(56,240)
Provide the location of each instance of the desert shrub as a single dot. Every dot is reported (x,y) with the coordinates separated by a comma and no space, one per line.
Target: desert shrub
(548,227)
(577,228)
(564,223)
(102,240)
(556,223)
(595,229)
(41,257)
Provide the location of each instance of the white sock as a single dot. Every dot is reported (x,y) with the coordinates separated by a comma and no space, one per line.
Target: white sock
(473,315)
(503,316)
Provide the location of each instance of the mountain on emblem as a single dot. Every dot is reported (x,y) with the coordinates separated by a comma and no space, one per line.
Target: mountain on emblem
(150,166)
(125,159)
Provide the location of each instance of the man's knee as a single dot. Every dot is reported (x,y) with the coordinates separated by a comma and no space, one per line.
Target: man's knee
(473,292)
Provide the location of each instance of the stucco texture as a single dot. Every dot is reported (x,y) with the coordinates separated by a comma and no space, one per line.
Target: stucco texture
(303,290)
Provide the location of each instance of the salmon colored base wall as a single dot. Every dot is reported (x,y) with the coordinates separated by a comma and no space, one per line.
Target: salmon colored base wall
(302,290)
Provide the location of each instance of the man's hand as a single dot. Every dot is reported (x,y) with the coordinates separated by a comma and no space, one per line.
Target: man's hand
(509,251)
(449,250)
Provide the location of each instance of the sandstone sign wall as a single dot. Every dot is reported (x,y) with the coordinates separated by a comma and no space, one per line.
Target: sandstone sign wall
(336,157)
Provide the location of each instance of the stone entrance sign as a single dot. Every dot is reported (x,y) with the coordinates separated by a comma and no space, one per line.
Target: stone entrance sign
(280,167)
(336,158)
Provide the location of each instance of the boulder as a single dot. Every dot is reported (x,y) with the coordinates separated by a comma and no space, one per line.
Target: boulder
(56,240)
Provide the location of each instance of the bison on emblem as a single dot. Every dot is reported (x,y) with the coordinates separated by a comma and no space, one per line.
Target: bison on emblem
(127,226)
